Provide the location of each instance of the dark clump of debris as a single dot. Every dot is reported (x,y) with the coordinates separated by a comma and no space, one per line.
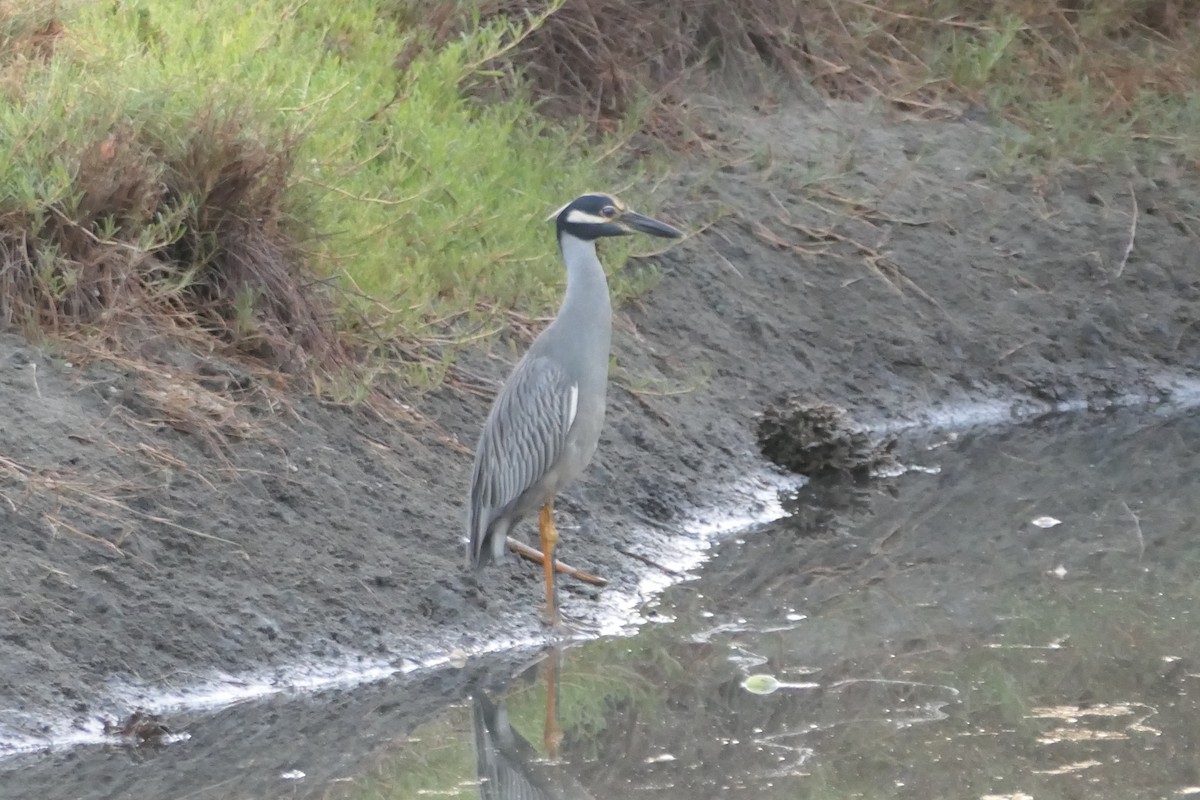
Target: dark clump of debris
(819,439)
(141,727)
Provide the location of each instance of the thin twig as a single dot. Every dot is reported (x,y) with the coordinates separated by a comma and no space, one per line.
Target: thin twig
(55,522)
(535,555)
(1137,528)
(1133,223)
(649,562)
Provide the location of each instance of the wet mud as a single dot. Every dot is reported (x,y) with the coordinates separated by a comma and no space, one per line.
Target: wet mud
(930,628)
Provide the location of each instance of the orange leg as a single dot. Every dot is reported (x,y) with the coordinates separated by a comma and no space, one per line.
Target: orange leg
(552,735)
(549,539)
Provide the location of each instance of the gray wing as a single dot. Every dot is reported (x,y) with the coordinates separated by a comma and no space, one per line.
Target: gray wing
(504,761)
(508,766)
(524,436)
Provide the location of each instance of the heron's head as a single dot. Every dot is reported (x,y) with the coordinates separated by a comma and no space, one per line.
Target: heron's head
(593,216)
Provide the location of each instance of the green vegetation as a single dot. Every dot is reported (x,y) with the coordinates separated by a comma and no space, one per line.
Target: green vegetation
(1086,83)
(314,181)
(203,161)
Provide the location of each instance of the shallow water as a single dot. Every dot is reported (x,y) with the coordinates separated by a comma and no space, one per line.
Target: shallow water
(1016,619)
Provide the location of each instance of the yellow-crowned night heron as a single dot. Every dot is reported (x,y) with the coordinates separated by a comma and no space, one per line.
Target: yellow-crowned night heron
(508,766)
(546,420)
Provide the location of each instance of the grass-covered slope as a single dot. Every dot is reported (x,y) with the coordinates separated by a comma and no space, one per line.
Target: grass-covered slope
(208,166)
(292,179)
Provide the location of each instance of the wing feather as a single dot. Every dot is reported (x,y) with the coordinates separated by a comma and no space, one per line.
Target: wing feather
(524,436)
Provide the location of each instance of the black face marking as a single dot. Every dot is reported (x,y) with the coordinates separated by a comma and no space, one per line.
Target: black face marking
(595,216)
(587,217)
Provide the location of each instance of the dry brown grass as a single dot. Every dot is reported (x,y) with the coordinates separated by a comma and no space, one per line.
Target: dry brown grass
(29,30)
(165,233)
(102,511)
(162,239)
(870,46)
(598,57)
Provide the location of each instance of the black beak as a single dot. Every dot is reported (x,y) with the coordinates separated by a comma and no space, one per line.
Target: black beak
(633,221)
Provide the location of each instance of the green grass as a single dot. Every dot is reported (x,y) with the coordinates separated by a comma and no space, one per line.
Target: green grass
(419,199)
(1109,81)
(1086,83)
(165,146)
(1069,103)
(439,759)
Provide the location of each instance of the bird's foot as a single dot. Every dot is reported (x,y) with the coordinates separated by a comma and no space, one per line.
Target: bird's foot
(564,627)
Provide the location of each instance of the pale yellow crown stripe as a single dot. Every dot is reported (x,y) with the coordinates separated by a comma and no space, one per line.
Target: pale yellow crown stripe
(616,202)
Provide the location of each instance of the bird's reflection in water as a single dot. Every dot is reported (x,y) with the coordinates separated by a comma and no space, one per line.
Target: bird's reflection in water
(509,767)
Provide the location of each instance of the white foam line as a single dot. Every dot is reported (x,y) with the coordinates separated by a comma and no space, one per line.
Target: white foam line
(683,553)
(1182,392)
(680,553)
(13,743)
(222,690)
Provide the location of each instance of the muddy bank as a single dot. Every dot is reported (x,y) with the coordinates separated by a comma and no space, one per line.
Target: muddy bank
(851,257)
(252,750)
(924,580)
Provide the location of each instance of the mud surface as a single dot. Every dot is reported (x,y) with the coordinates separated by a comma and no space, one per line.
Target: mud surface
(925,629)
(857,259)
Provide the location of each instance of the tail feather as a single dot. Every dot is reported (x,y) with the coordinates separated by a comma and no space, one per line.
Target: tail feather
(487,547)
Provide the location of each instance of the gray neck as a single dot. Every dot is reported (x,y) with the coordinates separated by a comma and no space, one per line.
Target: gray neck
(587,299)
(586,310)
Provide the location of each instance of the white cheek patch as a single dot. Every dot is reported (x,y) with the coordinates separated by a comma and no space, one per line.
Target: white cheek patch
(578,217)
